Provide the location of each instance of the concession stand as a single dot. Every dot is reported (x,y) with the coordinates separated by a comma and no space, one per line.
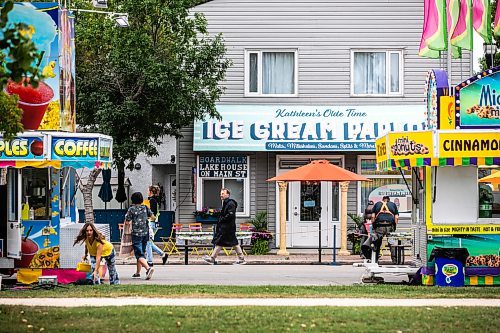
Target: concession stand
(38,168)
(454,204)
(38,186)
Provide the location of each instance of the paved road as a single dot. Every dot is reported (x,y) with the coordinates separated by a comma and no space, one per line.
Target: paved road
(290,275)
(370,302)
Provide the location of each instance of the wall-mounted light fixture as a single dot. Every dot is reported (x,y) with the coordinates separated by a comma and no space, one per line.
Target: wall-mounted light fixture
(172,159)
(137,166)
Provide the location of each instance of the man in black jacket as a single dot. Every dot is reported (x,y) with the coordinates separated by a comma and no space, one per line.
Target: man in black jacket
(225,234)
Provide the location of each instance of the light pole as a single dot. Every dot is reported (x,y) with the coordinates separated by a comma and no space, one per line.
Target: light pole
(489,54)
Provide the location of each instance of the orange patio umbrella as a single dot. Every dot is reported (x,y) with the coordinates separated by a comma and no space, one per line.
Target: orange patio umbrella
(319,170)
(494,178)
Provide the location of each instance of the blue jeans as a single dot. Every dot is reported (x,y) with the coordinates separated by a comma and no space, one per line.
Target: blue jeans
(110,262)
(139,244)
(151,246)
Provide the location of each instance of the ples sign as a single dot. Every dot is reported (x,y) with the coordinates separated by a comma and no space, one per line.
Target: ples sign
(21,147)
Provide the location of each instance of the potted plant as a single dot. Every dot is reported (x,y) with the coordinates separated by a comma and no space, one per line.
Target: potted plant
(261,236)
(353,232)
(207,215)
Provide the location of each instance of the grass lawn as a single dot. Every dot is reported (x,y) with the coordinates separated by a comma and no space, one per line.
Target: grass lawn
(378,291)
(248,319)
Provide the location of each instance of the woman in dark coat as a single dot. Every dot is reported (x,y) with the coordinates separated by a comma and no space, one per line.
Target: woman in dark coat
(225,232)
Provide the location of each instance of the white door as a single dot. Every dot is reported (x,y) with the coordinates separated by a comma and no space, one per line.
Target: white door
(311,207)
(314,206)
(13,214)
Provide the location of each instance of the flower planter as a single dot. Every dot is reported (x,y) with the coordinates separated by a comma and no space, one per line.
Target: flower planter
(208,219)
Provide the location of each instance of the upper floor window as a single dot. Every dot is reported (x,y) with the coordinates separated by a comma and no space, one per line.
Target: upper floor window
(377,73)
(270,73)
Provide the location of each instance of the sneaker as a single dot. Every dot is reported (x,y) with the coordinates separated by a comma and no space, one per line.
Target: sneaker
(136,276)
(149,273)
(150,264)
(209,260)
(240,262)
(164,258)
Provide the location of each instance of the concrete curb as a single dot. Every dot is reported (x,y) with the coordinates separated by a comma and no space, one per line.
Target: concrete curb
(307,302)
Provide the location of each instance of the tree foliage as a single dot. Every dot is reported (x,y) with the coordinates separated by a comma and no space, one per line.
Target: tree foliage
(18,57)
(147,81)
(496,41)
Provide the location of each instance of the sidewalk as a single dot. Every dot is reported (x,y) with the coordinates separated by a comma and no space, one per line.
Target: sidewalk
(337,302)
(301,258)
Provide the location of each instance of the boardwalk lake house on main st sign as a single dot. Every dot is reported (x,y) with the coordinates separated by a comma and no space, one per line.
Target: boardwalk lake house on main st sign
(309,80)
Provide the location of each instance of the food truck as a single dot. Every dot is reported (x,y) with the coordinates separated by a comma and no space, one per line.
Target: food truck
(38,168)
(454,204)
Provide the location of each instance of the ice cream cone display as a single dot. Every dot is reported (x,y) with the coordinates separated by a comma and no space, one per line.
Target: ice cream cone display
(51,105)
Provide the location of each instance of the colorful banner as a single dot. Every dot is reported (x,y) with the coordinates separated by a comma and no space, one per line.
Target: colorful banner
(472,144)
(411,145)
(462,35)
(481,19)
(478,100)
(303,127)
(51,106)
(22,148)
(430,26)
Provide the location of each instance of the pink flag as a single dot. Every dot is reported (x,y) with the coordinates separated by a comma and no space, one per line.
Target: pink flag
(462,35)
(481,18)
(434,36)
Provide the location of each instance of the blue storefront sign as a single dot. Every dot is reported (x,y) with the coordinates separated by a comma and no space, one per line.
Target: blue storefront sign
(303,128)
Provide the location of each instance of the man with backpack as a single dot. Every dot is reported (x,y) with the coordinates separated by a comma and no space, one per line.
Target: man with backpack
(385,217)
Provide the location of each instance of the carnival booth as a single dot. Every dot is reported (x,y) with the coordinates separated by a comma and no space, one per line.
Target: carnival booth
(456,201)
(38,190)
(38,167)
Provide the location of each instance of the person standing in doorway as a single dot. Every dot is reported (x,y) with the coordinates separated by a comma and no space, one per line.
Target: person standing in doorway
(153,193)
(225,232)
(138,215)
(385,217)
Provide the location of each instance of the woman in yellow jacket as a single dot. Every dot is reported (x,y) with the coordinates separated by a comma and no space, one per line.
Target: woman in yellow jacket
(98,247)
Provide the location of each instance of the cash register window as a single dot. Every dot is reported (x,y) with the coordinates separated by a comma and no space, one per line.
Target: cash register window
(36,193)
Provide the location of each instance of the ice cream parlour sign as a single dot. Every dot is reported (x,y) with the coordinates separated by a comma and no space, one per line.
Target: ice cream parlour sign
(478,101)
(223,166)
(22,148)
(304,127)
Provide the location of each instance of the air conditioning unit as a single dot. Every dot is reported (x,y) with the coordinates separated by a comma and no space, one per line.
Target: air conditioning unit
(100,3)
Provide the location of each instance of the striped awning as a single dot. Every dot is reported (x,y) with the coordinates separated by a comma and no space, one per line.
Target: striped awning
(438,148)
(418,162)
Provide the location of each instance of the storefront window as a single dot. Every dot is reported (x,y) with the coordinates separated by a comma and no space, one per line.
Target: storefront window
(489,195)
(383,183)
(233,172)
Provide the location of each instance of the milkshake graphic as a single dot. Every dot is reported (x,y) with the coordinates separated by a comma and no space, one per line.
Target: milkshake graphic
(33,101)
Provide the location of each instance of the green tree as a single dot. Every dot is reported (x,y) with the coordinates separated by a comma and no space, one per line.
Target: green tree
(149,80)
(17,56)
(496,41)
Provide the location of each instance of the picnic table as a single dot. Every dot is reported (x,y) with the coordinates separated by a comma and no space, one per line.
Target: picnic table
(203,239)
